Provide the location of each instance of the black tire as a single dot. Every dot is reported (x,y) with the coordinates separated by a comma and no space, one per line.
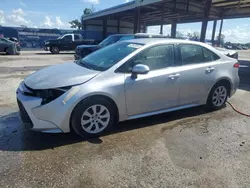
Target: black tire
(54,50)
(210,103)
(82,107)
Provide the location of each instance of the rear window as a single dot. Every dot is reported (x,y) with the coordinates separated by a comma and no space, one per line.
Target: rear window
(209,55)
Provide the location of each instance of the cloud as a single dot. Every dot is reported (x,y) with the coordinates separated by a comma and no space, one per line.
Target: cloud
(94,2)
(47,22)
(126,1)
(16,18)
(23,4)
(18,11)
(2,19)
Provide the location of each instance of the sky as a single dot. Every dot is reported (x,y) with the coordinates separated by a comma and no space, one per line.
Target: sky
(57,14)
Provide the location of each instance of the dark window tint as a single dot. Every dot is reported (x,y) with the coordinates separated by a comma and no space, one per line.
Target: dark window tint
(156,57)
(77,37)
(191,54)
(209,55)
(68,38)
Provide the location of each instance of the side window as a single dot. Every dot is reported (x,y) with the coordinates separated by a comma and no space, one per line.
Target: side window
(209,55)
(77,37)
(67,38)
(191,54)
(156,57)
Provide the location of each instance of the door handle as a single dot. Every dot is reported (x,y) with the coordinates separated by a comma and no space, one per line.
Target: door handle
(174,76)
(210,69)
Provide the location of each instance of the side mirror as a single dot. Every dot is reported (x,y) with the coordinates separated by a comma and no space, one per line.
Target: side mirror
(139,69)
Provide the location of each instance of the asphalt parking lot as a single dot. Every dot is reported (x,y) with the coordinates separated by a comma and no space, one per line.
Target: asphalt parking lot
(188,148)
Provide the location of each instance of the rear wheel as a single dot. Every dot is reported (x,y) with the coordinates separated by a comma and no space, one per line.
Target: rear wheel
(54,50)
(217,97)
(93,117)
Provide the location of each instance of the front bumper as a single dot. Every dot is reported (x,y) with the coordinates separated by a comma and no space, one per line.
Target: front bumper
(53,117)
(26,105)
(46,48)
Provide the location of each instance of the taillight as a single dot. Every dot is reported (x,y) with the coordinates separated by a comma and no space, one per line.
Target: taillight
(236,65)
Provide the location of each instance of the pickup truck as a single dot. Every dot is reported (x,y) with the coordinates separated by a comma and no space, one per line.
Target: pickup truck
(66,42)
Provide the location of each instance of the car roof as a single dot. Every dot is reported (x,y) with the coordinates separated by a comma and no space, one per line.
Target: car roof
(163,40)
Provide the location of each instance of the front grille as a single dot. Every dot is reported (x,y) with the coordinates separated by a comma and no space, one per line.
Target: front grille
(23,113)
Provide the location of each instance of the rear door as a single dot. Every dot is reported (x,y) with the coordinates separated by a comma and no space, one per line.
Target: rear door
(197,66)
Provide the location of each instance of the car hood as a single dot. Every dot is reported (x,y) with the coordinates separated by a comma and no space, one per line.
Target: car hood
(87,46)
(61,75)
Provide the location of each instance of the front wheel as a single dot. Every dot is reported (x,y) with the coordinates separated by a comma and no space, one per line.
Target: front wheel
(54,50)
(93,117)
(217,97)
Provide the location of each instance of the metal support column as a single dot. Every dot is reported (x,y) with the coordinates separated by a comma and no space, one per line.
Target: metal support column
(144,28)
(135,20)
(104,31)
(221,25)
(173,29)
(162,19)
(118,26)
(207,6)
(214,30)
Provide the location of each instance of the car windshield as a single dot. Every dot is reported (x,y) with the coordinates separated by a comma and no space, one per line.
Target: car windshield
(105,58)
(110,40)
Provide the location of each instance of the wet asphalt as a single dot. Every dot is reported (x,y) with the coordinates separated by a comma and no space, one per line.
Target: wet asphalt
(188,148)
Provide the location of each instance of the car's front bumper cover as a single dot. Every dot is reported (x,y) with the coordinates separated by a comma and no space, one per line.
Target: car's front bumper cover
(26,105)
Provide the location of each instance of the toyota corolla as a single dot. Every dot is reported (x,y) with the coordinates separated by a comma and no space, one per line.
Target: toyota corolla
(124,81)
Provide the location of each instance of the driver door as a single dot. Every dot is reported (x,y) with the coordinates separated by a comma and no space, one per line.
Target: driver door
(156,90)
(67,42)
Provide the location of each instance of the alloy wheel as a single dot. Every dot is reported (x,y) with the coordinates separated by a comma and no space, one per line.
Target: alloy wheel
(95,119)
(219,96)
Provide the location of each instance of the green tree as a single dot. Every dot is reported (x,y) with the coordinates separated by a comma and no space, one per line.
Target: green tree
(179,34)
(222,39)
(75,24)
(194,36)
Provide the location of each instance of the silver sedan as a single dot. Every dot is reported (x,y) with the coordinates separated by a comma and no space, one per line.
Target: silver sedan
(124,81)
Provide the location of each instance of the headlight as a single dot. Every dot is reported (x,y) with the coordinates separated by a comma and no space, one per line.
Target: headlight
(49,95)
(46,43)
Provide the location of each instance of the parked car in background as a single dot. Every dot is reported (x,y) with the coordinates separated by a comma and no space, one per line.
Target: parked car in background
(66,42)
(244,47)
(83,50)
(13,39)
(9,47)
(127,80)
